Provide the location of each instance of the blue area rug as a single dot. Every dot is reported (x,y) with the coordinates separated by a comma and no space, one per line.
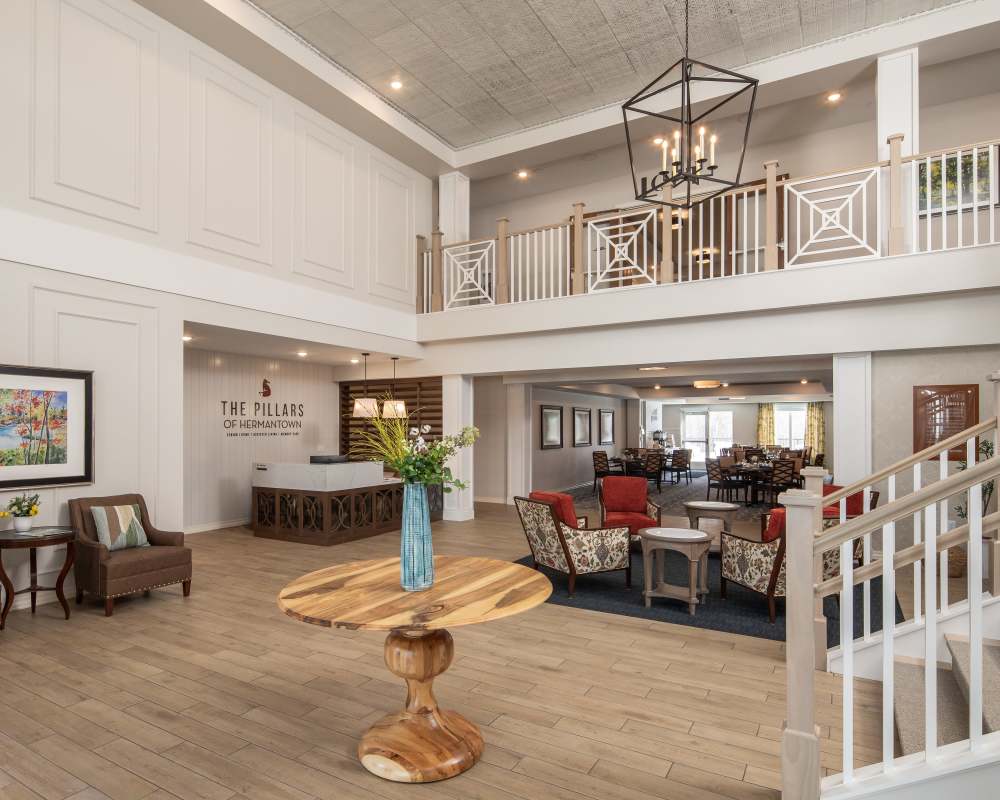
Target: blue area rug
(743,611)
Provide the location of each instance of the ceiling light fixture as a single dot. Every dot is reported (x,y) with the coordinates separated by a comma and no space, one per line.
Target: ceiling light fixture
(302,354)
(186,338)
(725,383)
(355,360)
(690,160)
(707,384)
(396,84)
(522,174)
(804,381)
(392,407)
(658,140)
(650,369)
(657,387)
(365,407)
(834,97)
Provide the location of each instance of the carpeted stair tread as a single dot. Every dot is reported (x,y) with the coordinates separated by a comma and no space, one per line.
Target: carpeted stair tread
(959,647)
(908,707)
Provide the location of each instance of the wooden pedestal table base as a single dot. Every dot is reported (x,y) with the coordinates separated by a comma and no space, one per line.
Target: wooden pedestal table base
(693,545)
(423,742)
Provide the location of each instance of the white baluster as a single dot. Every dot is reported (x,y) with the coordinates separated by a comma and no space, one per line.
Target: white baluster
(746,262)
(701,244)
(866,552)
(958,213)
(975,195)
(917,566)
(944,204)
(928,205)
(943,529)
(711,236)
(975,591)
(888,636)
(930,632)
(756,230)
(847,654)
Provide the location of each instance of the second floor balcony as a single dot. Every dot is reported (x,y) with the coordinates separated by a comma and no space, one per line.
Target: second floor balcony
(936,201)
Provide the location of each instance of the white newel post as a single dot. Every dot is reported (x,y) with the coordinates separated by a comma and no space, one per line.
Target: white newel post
(456,402)
(800,772)
(519,439)
(852,417)
(453,207)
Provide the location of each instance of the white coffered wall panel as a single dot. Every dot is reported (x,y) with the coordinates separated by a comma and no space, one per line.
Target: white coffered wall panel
(134,128)
(391,234)
(323,243)
(230,169)
(95,112)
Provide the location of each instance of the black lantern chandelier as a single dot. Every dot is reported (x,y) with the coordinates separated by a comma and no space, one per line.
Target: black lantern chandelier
(685,155)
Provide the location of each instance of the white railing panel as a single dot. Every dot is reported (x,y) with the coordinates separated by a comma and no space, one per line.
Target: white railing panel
(623,249)
(469,274)
(540,263)
(833,217)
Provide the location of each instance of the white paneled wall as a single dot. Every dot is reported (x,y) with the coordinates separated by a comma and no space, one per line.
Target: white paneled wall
(218,468)
(116,120)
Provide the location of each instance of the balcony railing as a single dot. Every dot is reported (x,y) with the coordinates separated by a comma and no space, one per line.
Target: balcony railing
(941,200)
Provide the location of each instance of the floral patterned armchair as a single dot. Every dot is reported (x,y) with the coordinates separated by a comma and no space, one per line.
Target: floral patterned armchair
(560,540)
(760,565)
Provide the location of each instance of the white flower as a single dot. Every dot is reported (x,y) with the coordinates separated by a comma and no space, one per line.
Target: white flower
(414,431)
(425,428)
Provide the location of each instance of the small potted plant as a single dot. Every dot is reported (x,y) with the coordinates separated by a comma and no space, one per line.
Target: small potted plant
(23,508)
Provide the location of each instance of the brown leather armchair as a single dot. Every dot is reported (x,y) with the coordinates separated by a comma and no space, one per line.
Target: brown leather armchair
(116,573)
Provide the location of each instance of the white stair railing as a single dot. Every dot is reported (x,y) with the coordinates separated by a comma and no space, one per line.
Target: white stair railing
(540,263)
(469,274)
(622,249)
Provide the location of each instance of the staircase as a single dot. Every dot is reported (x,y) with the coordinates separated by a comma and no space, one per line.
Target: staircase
(952,695)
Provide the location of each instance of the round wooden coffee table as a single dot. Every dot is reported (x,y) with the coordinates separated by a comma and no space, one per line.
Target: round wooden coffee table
(422,742)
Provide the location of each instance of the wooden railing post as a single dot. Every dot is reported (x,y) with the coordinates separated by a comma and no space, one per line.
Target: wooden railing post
(437,293)
(771,215)
(579,255)
(503,267)
(421,288)
(896,227)
(666,237)
(800,773)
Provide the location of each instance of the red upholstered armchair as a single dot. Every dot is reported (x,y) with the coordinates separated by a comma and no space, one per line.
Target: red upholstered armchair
(560,540)
(625,502)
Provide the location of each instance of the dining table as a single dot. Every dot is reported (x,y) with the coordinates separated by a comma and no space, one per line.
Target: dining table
(755,473)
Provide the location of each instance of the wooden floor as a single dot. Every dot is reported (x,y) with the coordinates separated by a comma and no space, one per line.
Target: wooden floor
(220,696)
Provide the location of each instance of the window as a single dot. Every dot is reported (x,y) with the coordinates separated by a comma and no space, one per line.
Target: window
(720,431)
(790,425)
(695,435)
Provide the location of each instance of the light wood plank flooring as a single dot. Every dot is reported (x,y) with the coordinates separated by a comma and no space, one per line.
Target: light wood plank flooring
(220,696)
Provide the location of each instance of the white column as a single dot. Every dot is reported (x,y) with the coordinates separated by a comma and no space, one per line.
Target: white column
(457,412)
(897,101)
(453,207)
(852,417)
(519,440)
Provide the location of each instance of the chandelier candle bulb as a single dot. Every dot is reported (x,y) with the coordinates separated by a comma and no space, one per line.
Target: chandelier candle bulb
(664,149)
(711,158)
(701,138)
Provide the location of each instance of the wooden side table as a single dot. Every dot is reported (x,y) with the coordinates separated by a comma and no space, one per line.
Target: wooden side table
(423,742)
(698,510)
(694,545)
(38,537)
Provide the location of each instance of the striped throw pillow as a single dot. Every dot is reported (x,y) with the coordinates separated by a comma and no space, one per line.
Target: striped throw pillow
(119,527)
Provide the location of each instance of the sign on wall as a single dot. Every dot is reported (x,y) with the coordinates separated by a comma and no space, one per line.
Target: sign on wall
(262,416)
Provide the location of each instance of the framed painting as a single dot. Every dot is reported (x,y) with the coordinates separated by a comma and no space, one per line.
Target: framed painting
(581,427)
(606,426)
(940,412)
(552,427)
(46,427)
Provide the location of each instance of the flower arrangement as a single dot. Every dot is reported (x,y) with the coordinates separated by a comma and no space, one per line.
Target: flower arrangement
(21,506)
(407,451)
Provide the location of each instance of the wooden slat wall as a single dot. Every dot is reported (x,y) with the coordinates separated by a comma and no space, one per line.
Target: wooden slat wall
(422,397)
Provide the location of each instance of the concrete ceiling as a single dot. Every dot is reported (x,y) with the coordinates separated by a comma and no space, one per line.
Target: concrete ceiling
(474,70)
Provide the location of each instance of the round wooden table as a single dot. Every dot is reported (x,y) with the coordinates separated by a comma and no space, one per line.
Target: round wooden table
(422,742)
(39,537)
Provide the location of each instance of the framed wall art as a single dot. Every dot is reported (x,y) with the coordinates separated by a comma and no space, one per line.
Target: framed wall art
(552,427)
(581,427)
(46,427)
(606,426)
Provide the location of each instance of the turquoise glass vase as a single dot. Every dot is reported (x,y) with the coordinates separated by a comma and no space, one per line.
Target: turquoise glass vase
(416,550)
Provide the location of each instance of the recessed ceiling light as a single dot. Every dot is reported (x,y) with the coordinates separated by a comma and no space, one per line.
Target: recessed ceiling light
(724,383)
(522,174)
(650,369)
(738,398)
(396,84)
(302,354)
(834,97)
(658,140)
(186,338)
(355,360)
(657,387)
(804,380)
(707,384)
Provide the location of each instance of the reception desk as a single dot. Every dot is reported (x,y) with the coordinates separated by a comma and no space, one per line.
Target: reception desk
(328,503)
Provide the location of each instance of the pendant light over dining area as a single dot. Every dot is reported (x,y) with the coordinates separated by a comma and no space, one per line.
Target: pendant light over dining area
(365,407)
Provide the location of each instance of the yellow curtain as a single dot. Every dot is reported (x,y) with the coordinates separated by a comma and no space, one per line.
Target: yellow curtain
(815,428)
(765,423)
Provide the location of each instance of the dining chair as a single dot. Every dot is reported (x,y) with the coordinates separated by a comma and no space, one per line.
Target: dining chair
(653,468)
(603,468)
(782,477)
(723,483)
